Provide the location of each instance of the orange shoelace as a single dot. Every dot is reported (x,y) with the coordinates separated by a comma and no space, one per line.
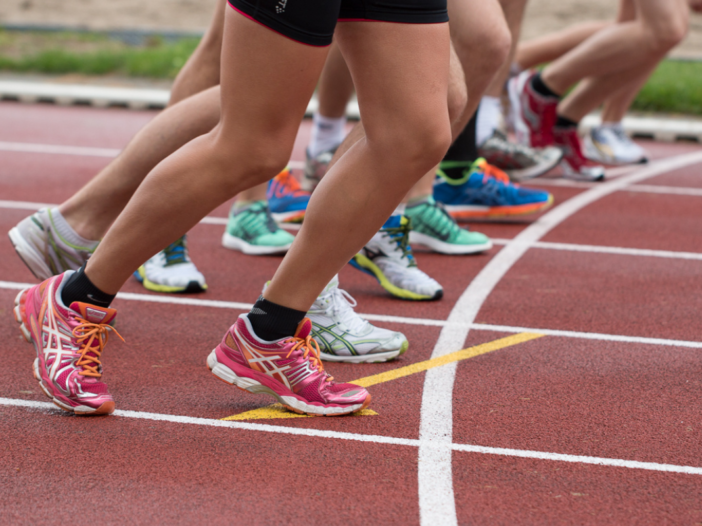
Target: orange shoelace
(289,183)
(92,332)
(493,171)
(309,344)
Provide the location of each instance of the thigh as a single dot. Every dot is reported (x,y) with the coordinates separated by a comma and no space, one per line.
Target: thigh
(400,72)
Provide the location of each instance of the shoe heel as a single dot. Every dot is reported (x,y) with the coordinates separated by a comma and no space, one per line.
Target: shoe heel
(225,374)
(18,316)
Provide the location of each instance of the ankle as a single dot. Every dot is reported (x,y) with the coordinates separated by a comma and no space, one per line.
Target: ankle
(271,321)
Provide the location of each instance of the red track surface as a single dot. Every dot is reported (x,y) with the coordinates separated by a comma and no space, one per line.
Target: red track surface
(619,400)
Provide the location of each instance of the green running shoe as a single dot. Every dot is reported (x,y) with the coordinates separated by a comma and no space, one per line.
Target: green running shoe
(433,227)
(253,231)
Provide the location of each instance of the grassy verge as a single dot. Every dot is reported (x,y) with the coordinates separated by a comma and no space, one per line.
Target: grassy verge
(675,87)
(91,54)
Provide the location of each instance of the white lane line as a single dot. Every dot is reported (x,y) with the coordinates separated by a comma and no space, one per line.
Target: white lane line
(598,249)
(673,190)
(376,439)
(436,497)
(84,151)
(233,305)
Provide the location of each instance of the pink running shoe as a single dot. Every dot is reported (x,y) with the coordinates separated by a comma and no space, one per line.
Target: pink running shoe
(574,163)
(289,369)
(69,344)
(534,114)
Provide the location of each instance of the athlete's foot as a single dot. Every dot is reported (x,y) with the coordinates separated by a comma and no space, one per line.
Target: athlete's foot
(388,258)
(433,227)
(609,144)
(48,246)
(574,164)
(315,168)
(287,201)
(483,191)
(343,336)
(252,230)
(516,160)
(534,114)
(289,369)
(69,342)
(171,270)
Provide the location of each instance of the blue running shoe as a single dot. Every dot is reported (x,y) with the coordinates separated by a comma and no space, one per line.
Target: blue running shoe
(287,201)
(484,191)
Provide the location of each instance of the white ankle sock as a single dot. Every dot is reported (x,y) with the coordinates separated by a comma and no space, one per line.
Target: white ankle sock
(488,119)
(66,231)
(326,135)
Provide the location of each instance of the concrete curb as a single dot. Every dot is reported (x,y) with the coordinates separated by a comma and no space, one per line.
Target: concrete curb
(666,129)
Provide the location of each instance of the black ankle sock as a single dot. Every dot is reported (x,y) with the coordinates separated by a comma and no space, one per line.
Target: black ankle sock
(273,322)
(564,122)
(541,88)
(80,288)
(463,149)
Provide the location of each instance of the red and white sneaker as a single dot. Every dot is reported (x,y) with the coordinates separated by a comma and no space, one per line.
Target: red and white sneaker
(574,163)
(69,343)
(288,369)
(534,114)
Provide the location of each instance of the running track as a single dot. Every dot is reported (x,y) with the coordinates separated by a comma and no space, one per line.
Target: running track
(585,409)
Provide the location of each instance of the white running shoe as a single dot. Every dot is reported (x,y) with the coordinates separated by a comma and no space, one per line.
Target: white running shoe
(41,242)
(609,144)
(343,336)
(389,259)
(171,270)
(315,168)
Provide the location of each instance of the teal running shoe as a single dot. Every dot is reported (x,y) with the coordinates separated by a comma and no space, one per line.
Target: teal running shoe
(433,227)
(253,231)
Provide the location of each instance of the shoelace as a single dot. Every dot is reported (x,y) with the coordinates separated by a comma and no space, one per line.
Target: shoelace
(400,234)
(176,252)
(288,184)
(92,331)
(260,220)
(342,303)
(490,171)
(308,345)
(445,223)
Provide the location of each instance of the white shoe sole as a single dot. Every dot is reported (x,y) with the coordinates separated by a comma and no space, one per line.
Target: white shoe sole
(447,248)
(236,243)
(33,259)
(250,385)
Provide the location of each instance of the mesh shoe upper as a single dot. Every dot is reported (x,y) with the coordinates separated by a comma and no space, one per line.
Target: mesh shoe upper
(255,225)
(534,114)
(575,165)
(340,331)
(171,270)
(286,199)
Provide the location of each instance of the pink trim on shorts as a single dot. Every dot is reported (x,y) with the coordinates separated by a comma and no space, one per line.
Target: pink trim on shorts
(271,29)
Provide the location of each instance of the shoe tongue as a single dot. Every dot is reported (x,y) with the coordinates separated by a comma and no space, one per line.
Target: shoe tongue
(304,329)
(93,313)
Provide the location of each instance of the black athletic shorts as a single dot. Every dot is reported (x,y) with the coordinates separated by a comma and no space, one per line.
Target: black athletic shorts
(312,21)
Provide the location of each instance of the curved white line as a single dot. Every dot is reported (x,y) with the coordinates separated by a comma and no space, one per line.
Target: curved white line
(437,504)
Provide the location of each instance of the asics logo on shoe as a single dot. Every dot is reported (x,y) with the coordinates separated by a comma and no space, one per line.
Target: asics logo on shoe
(95,315)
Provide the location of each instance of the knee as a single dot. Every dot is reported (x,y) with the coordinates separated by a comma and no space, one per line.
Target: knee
(489,47)
(249,163)
(666,33)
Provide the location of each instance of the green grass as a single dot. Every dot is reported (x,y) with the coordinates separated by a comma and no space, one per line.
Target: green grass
(63,53)
(675,87)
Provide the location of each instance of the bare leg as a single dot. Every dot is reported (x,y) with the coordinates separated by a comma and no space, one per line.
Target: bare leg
(201,71)
(361,190)
(659,26)
(261,113)
(514,13)
(335,85)
(548,48)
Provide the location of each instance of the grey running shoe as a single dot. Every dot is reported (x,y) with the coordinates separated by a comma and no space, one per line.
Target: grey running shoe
(609,144)
(315,168)
(518,161)
(43,249)
(343,336)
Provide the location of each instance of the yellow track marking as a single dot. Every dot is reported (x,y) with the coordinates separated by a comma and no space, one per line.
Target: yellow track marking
(457,356)
(278,411)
